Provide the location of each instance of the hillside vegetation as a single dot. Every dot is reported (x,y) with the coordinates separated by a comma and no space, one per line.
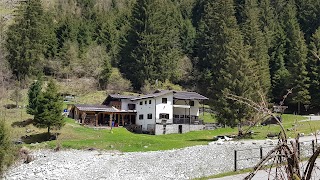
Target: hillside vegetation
(245,48)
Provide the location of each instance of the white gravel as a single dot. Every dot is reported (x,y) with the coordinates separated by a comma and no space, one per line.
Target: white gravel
(186,163)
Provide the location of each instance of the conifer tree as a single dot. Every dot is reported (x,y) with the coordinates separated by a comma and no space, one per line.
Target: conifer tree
(314,68)
(151,50)
(254,38)
(33,95)
(296,58)
(25,42)
(48,112)
(308,13)
(224,61)
(7,154)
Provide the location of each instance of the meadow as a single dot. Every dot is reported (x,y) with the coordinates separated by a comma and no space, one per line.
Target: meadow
(76,136)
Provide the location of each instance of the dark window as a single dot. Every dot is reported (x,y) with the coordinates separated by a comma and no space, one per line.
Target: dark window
(140,116)
(145,102)
(149,116)
(131,106)
(164,100)
(149,101)
(176,116)
(141,102)
(163,116)
(191,103)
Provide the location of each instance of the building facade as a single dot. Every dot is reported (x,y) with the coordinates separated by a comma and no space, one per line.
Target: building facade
(162,112)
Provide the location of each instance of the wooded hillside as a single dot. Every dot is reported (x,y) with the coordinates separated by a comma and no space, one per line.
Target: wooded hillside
(237,46)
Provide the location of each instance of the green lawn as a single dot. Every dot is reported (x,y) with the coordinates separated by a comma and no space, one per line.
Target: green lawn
(73,135)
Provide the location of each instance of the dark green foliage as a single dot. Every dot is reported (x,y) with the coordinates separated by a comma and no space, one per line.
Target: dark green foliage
(296,58)
(105,73)
(314,68)
(308,13)
(25,40)
(224,62)
(151,50)
(254,38)
(48,112)
(7,153)
(33,95)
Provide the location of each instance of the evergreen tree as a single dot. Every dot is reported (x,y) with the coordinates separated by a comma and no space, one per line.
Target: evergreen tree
(308,13)
(151,50)
(296,58)
(267,21)
(314,68)
(277,51)
(225,62)
(25,40)
(7,155)
(48,112)
(33,94)
(254,38)
(105,73)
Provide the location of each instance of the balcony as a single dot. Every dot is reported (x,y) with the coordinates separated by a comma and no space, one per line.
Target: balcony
(181,119)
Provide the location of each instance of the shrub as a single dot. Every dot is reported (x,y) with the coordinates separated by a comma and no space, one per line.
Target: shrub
(7,153)
(117,83)
(167,85)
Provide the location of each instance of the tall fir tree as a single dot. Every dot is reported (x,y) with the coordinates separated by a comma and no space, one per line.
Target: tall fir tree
(224,62)
(296,58)
(308,13)
(25,40)
(33,95)
(255,39)
(314,68)
(151,50)
(48,112)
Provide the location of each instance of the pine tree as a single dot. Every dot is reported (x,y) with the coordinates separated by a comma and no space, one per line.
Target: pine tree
(151,50)
(25,40)
(225,61)
(48,112)
(105,74)
(314,68)
(296,58)
(254,38)
(308,13)
(33,94)
(277,50)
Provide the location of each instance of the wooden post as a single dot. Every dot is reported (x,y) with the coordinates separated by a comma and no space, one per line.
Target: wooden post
(235,160)
(122,120)
(97,117)
(110,121)
(313,147)
(103,116)
(129,118)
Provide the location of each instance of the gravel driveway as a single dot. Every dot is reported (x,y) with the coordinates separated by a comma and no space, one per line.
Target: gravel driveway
(186,163)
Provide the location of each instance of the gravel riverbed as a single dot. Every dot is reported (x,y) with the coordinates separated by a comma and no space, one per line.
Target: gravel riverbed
(186,163)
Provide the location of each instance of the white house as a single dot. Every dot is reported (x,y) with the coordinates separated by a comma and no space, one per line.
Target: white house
(163,112)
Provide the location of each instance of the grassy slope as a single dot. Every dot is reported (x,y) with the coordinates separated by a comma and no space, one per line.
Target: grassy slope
(75,136)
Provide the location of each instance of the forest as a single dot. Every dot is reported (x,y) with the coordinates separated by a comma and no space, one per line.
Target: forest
(247,48)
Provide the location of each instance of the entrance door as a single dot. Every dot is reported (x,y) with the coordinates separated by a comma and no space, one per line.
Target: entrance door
(180,129)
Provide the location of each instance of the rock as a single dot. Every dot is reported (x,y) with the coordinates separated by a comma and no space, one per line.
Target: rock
(301,134)
(145,146)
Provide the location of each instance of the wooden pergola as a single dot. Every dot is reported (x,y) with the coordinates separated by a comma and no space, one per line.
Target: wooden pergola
(99,112)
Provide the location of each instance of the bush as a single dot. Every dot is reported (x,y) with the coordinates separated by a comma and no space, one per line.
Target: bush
(167,85)
(117,83)
(7,155)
